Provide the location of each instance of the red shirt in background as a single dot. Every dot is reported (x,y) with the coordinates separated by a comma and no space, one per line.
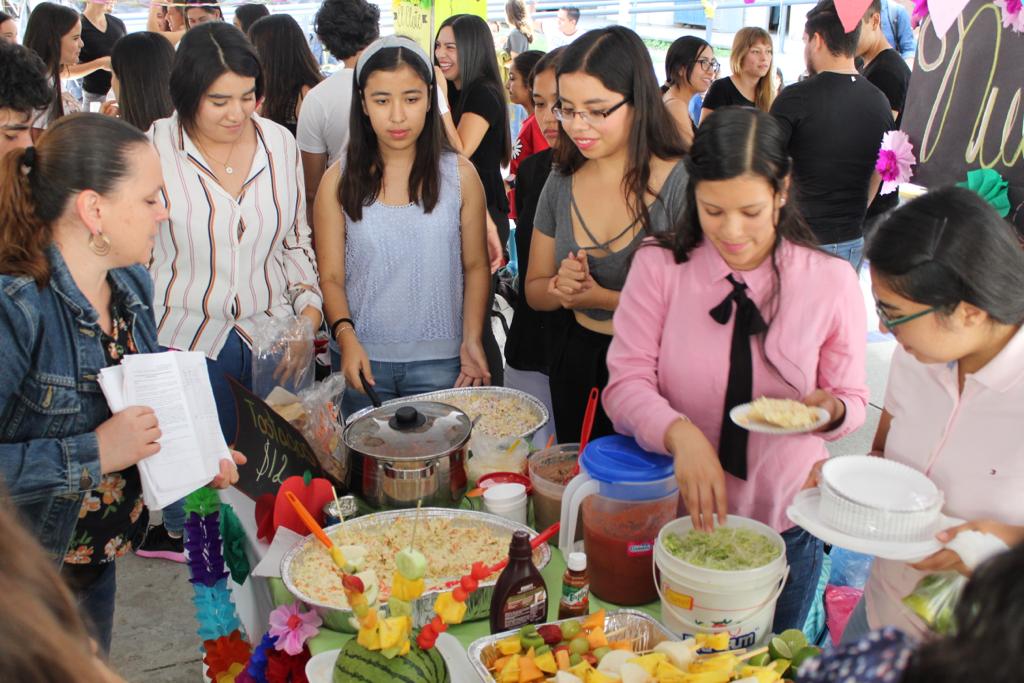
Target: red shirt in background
(530,141)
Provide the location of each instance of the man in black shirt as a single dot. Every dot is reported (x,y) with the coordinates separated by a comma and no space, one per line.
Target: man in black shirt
(883,65)
(835,120)
(887,71)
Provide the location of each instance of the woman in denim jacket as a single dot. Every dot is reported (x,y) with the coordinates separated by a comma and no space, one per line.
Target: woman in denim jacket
(78,215)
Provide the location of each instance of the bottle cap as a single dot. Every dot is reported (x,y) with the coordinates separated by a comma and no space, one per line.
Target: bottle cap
(577,562)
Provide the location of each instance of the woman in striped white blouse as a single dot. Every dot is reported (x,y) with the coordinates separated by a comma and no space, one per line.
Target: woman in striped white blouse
(236,250)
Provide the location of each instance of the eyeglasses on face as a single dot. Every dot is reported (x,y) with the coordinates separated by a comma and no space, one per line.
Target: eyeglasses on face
(709,64)
(586,116)
(890,323)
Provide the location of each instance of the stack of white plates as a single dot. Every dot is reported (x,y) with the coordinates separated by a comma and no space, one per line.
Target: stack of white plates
(873,505)
(878,498)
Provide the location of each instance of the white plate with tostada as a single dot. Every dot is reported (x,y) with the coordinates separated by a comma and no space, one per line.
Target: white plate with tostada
(779,416)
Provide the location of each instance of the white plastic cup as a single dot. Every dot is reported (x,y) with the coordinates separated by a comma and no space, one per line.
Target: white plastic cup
(508,501)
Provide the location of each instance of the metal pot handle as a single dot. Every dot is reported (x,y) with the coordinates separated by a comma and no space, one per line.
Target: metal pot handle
(392,472)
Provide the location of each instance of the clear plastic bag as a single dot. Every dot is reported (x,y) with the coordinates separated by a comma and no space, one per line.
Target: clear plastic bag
(322,426)
(935,599)
(496,455)
(849,568)
(282,355)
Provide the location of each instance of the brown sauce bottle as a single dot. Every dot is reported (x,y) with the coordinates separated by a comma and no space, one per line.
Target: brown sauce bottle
(520,596)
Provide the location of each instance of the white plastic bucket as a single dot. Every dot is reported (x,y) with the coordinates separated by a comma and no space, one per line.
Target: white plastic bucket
(699,600)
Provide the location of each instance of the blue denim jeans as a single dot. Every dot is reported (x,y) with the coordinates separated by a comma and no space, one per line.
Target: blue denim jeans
(852,251)
(395,380)
(234,360)
(94,588)
(805,555)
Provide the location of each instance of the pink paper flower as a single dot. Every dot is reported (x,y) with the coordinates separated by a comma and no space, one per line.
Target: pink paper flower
(1013,16)
(920,12)
(293,627)
(895,158)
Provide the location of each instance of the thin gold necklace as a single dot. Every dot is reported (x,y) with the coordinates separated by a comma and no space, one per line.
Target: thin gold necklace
(227,167)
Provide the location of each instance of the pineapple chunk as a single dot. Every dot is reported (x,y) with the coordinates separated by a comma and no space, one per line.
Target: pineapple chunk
(650,662)
(510,646)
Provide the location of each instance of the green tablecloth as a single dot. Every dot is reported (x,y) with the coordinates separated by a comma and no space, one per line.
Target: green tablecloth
(470,631)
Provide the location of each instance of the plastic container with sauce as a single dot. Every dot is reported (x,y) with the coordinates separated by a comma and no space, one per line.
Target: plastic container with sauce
(626,495)
(550,470)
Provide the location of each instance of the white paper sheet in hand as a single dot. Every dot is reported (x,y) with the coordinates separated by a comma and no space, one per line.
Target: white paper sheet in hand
(176,386)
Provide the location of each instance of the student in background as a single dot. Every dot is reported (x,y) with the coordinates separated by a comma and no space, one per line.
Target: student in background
(618,178)
(690,69)
(23,92)
(477,124)
(834,121)
(567,27)
(141,63)
(521,35)
(533,334)
(752,81)
(530,140)
(289,68)
(100,32)
(54,32)
(896,26)
(401,196)
(886,70)
(8,28)
(198,12)
(167,20)
(345,28)
(248,14)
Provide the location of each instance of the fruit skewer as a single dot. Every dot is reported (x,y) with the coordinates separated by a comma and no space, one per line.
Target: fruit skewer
(450,607)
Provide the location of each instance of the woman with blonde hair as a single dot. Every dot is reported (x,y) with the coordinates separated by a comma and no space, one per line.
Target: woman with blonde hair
(752,81)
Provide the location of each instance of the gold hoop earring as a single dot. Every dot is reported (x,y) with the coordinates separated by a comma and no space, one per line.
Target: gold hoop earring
(100,244)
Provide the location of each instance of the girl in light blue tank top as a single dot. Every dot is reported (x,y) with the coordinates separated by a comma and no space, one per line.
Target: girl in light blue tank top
(400,238)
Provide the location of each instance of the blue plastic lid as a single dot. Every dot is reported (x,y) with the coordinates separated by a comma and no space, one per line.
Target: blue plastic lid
(620,460)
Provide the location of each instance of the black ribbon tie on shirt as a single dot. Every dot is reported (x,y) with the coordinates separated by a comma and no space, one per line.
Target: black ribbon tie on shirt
(732,446)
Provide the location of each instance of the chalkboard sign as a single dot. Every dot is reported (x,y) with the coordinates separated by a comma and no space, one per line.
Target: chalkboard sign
(275,450)
(964,107)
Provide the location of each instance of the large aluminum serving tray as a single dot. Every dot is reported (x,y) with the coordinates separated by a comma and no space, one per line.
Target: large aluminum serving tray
(642,629)
(477,607)
(539,409)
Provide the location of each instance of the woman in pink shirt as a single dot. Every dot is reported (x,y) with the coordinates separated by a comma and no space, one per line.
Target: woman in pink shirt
(675,370)
(948,278)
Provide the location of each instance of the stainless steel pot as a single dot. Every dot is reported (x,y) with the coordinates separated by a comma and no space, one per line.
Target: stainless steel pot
(403,454)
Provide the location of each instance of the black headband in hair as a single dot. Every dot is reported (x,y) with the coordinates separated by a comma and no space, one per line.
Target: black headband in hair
(28,157)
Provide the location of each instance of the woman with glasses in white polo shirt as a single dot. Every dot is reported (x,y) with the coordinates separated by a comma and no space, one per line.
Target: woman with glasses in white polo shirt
(948,278)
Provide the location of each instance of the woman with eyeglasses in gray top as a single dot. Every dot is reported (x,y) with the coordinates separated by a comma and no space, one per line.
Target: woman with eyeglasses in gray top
(617,178)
